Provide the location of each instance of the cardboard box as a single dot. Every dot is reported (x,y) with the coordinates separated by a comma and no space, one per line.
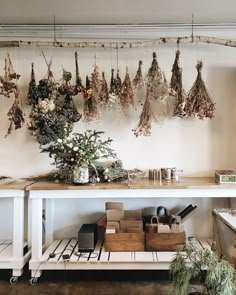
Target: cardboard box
(124,242)
(225,176)
(164,241)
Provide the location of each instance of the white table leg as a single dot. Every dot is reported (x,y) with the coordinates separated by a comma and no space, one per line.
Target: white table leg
(49,226)
(18,234)
(36,235)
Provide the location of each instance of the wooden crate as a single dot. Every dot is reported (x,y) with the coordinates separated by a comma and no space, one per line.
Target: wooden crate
(164,241)
(121,242)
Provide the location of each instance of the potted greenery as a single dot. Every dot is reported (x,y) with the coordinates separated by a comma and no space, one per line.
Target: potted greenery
(74,154)
(215,274)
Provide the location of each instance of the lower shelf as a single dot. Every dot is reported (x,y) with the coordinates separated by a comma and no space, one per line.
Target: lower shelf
(99,259)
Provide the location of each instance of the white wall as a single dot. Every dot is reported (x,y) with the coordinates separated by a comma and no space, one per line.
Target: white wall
(198,147)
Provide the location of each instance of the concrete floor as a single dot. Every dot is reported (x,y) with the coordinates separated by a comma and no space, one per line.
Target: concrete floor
(89,283)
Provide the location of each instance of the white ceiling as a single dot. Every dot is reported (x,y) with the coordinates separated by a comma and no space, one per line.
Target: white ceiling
(116,11)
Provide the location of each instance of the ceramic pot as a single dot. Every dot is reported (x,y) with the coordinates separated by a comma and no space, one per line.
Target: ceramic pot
(80,174)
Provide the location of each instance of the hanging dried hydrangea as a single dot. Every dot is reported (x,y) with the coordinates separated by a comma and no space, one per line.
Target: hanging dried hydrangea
(90,103)
(177,89)
(15,114)
(96,79)
(126,93)
(154,79)
(138,81)
(78,80)
(33,97)
(199,102)
(9,79)
(145,119)
(103,97)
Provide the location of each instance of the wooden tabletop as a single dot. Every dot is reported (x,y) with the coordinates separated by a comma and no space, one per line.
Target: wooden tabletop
(14,184)
(138,183)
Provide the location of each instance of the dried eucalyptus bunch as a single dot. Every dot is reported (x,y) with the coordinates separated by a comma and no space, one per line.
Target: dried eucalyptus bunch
(9,79)
(177,89)
(96,81)
(145,120)
(138,81)
(103,97)
(15,114)
(126,93)
(154,79)
(199,102)
(90,103)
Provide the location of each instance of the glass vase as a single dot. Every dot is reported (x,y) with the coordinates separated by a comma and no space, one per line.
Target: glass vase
(80,174)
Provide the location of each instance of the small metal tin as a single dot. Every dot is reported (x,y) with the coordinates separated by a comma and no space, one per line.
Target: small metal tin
(166,173)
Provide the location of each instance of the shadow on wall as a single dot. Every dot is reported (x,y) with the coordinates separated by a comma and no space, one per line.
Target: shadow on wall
(222,147)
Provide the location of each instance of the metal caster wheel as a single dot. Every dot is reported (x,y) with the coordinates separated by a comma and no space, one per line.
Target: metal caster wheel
(13,280)
(33,281)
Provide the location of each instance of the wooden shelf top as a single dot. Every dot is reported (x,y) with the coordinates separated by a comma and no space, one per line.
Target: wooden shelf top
(14,184)
(139,183)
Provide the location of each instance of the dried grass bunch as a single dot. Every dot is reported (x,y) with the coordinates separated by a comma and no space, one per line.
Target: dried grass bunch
(126,93)
(138,81)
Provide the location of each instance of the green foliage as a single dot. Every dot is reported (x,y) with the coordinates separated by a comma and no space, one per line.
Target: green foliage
(81,149)
(215,274)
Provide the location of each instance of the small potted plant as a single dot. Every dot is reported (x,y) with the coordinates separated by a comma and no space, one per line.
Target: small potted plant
(215,274)
(75,153)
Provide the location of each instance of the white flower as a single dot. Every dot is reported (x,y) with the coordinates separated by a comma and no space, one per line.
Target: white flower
(72,159)
(59,140)
(98,179)
(106,170)
(75,148)
(70,145)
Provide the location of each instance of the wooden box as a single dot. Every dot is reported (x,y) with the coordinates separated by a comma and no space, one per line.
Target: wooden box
(164,241)
(225,176)
(122,242)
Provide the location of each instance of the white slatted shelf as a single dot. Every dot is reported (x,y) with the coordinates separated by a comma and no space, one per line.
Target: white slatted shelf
(100,259)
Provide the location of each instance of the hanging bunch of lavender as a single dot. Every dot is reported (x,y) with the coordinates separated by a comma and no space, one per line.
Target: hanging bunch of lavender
(199,102)
(90,103)
(9,79)
(126,93)
(33,96)
(15,114)
(103,97)
(177,89)
(138,81)
(154,79)
(145,120)
(96,79)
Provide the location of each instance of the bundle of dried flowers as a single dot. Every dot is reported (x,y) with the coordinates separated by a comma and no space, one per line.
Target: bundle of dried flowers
(126,93)
(66,87)
(33,97)
(9,79)
(138,81)
(15,114)
(145,120)
(112,90)
(154,79)
(90,103)
(103,97)
(96,79)
(177,89)
(78,80)
(48,123)
(199,102)
(118,83)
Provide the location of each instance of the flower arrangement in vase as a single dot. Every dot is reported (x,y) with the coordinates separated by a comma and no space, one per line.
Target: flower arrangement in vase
(75,153)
